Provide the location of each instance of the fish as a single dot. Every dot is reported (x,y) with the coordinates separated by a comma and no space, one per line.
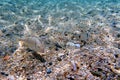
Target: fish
(34,43)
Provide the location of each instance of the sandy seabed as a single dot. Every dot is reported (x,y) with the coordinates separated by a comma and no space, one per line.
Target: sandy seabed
(59,41)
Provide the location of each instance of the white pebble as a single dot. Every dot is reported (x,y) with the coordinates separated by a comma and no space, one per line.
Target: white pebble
(77,45)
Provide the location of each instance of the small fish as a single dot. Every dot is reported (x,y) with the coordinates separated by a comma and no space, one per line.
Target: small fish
(33,43)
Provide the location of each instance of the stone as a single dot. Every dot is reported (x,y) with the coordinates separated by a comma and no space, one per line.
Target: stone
(59,59)
(1,33)
(70,44)
(49,71)
(77,45)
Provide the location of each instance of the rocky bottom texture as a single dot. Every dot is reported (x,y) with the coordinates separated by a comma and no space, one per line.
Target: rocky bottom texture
(85,63)
(72,56)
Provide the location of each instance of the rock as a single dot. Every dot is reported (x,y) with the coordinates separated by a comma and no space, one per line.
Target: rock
(70,44)
(116,55)
(118,35)
(74,65)
(96,73)
(60,54)
(2,53)
(57,46)
(1,33)
(73,44)
(48,29)
(49,71)
(3,73)
(71,78)
(11,77)
(59,59)
(50,63)
(4,30)
(84,36)
(77,45)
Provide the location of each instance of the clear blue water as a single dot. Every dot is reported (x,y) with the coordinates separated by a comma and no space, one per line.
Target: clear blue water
(22,12)
(13,10)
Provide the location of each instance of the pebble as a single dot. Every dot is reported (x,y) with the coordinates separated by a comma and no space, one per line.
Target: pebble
(49,71)
(71,78)
(1,33)
(77,45)
(108,50)
(50,63)
(71,44)
(74,65)
(60,54)
(57,45)
(3,73)
(6,74)
(118,35)
(4,30)
(2,53)
(59,59)
(11,77)
(116,55)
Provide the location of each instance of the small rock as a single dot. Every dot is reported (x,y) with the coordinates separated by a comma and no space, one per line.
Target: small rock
(70,44)
(116,55)
(77,45)
(3,73)
(71,78)
(59,59)
(117,25)
(9,35)
(1,33)
(50,63)
(28,79)
(101,48)
(96,73)
(73,44)
(60,54)
(11,77)
(49,71)
(74,65)
(84,36)
(7,57)
(4,30)
(2,53)
(108,50)
(57,45)
(118,35)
